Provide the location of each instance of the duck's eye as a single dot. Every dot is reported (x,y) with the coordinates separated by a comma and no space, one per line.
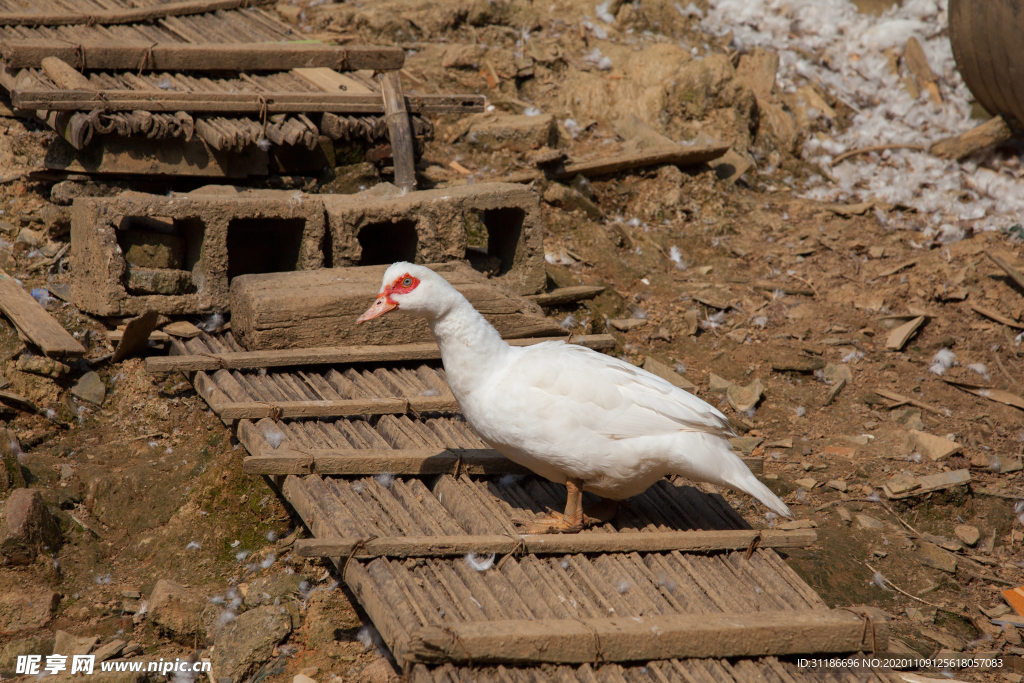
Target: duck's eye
(407,282)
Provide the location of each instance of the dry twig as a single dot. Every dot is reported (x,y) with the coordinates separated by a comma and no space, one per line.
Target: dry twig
(914,597)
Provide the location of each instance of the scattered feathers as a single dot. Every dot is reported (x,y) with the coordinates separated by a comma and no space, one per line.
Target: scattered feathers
(943,360)
(481,563)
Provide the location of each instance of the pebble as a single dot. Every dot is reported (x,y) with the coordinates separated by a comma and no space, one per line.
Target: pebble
(90,388)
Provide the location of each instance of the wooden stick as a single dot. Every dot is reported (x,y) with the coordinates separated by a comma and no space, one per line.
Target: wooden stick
(1007,268)
(566,295)
(998,317)
(875,148)
(992,132)
(555,544)
(399,131)
(338,355)
(33,321)
(893,396)
(136,55)
(135,339)
(653,636)
(678,156)
(914,597)
(247,103)
(119,16)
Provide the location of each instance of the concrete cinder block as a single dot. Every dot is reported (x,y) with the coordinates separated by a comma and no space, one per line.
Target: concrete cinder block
(223,237)
(497,226)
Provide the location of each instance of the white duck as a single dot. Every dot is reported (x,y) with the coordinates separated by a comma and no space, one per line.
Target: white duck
(570,414)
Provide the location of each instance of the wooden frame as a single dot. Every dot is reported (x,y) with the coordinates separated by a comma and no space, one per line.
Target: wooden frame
(264,460)
(555,544)
(236,103)
(136,56)
(236,408)
(651,637)
(132,15)
(335,355)
(404,461)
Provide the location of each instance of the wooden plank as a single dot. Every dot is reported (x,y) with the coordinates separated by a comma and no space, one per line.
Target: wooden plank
(399,131)
(32,321)
(254,410)
(678,156)
(132,15)
(235,103)
(334,355)
(993,132)
(115,336)
(366,461)
(1014,274)
(934,482)
(566,295)
(135,339)
(136,56)
(555,544)
(995,315)
(298,309)
(653,636)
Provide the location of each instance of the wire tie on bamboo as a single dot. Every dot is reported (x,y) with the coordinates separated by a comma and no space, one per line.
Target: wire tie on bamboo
(754,542)
(360,544)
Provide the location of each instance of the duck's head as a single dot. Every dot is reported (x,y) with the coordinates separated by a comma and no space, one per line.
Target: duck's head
(411,289)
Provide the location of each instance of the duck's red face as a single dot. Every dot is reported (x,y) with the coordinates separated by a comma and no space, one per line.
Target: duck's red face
(384,303)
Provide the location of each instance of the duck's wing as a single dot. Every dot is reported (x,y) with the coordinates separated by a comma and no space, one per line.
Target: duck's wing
(608,396)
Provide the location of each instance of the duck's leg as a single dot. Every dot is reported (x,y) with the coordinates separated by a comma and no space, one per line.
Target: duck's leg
(570,522)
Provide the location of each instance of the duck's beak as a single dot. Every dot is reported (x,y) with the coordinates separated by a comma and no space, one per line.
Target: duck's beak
(382,305)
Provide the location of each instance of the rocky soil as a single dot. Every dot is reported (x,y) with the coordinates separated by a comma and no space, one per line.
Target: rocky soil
(866,354)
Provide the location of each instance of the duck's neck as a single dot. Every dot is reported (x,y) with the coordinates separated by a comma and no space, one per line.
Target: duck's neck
(470,346)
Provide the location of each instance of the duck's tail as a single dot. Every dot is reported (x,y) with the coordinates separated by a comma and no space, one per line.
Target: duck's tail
(717,464)
(748,483)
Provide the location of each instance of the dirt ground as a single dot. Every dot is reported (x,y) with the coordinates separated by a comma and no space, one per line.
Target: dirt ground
(732,279)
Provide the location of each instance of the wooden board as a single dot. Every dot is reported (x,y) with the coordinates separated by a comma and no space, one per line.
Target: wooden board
(318,307)
(34,322)
(759,670)
(329,355)
(129,15)
(670,605)
(555,544)
(235,396)
(566,295)
(135,338)
(678,156)
(406,461)
(651,637)
(480,506)
(121,56)
(399,446)
(236,103)
(399,131)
